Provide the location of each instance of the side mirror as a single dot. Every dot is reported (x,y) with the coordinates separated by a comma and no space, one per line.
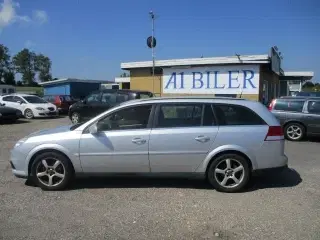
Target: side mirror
(2,104)
(93,129)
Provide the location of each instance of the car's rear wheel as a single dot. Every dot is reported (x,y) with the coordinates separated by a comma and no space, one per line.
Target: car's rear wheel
(28,114)
(75,118)
(51,171)
(294,131)
(229,173)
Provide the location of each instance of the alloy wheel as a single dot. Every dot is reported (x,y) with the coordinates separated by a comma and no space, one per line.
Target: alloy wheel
(294,132)
(50,172)
(75,118)
(229,173)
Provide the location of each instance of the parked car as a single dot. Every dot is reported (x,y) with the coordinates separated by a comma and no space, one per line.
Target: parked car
(223,140)
(299,116)
(62,102)
(100,101)
(31,106)
(9,114)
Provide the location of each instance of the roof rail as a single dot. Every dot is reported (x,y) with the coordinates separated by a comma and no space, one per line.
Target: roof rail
(193,97)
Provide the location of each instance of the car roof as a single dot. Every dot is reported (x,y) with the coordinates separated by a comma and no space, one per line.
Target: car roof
(120,91)
(188,99)
(19,95)
(299,98)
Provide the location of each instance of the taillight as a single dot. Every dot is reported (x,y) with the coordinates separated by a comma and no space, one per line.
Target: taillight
(271,105)
(275,133)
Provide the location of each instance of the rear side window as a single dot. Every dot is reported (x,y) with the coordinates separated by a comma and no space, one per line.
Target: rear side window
(230,115)
(180,115)
(289,106)
(314,107)
(8,99)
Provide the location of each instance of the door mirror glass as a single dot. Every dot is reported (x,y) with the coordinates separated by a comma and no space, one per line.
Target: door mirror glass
(93,129)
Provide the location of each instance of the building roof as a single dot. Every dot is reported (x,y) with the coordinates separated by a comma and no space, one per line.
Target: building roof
(304,76)
(242,59)
(68,80)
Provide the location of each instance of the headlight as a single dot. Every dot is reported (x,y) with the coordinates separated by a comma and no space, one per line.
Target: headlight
(21,141)
(0,114)
(40,108)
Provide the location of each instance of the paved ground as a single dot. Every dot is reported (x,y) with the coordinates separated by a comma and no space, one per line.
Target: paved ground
(274,207)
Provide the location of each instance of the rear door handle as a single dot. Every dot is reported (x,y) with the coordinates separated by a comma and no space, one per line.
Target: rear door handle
(202,139)
(139,141)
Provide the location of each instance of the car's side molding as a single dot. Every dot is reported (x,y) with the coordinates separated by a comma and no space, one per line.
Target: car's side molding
(74,157)
(203,166)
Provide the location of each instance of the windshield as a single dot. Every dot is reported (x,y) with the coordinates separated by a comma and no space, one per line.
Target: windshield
(34,99)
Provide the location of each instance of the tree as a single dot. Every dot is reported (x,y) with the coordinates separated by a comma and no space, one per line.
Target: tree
(9,78)
(308,85)
(5,63)
(124,75)
(43,66)
(24,63)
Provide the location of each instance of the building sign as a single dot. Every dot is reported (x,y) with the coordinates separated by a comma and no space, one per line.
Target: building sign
(212,80)
(275,61)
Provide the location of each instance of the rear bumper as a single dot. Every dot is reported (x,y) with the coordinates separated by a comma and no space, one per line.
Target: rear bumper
(275,170)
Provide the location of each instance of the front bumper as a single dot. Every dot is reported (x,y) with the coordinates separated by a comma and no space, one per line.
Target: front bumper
(46,113)
(18,164)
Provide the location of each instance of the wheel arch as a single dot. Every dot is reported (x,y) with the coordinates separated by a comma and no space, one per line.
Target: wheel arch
(44,151)
(295,121)
(240,153)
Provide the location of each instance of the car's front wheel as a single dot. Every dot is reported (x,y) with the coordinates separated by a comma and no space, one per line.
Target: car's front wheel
(75,118)
(28,114)
(229,173)
(294,131)
(51,171)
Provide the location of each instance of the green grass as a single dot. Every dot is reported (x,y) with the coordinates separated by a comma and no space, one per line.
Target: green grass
(37,90)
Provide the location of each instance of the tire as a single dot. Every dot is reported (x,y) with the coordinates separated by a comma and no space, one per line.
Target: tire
(294,132)
(226,173)
(75,118)
(28,114)
(57,167)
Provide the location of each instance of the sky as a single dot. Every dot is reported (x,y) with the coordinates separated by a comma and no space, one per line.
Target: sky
(89,39)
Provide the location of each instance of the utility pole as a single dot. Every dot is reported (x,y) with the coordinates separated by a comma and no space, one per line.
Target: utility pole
(152,47)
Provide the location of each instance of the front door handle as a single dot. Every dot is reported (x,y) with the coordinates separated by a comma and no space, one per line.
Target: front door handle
(202,139)
(139,141)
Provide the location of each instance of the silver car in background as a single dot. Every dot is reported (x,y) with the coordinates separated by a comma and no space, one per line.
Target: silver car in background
(224,140)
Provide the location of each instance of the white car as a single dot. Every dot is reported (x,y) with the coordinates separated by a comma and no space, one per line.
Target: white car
(31,106)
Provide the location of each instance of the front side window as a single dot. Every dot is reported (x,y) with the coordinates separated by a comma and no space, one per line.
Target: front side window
(136,117)
(289,106)
(180,115)
(229,114)
(18,99)
(94,97)
(34,99)
(314,107)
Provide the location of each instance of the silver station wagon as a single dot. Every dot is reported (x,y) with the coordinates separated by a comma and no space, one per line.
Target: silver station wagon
(222,139)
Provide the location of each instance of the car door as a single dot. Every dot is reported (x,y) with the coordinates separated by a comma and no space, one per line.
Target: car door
(312,116)
(91,106)
(121,143)
(182,136)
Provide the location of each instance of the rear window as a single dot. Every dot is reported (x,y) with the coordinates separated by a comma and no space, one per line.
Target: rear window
(230,115)
(289,106)
(145,95)
(65,98)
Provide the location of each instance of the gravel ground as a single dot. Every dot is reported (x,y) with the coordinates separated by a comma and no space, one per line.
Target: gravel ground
(283,206)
